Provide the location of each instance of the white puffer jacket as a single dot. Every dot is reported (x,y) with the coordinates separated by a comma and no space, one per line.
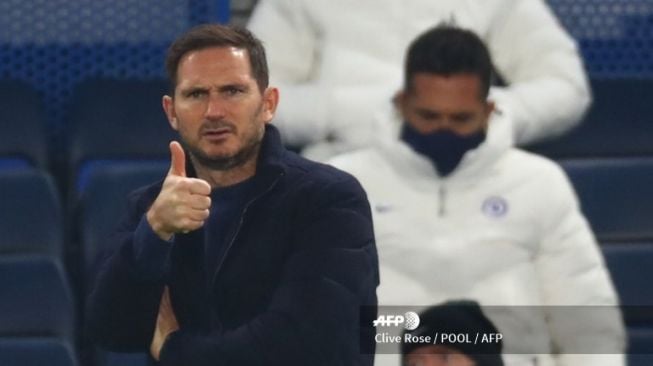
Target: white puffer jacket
(338,61)
(503,229)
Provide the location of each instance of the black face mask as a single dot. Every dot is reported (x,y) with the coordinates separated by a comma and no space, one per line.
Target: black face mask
(445,148)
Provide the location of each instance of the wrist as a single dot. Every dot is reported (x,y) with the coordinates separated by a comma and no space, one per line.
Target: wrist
(157,227)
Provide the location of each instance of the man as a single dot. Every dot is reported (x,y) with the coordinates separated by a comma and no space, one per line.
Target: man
(234,259)
(343,59)
(460,214)
(453,317)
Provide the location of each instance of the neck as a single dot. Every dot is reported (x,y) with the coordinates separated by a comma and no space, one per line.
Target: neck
(225,178)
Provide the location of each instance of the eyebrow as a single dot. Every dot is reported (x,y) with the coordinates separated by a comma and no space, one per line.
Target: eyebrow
(462,115)
(234,86)
(190,89)
(223,88)
(425,111)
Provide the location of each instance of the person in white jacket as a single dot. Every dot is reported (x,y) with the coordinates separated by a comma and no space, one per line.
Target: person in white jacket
(460,214)
(342,59)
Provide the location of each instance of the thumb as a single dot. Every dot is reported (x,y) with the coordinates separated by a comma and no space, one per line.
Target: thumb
(177,160)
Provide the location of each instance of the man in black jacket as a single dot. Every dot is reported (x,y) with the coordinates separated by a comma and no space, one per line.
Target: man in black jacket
(246,254)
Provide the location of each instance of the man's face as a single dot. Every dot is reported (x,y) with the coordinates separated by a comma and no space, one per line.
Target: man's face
(437,356)
(436,102)
(217,107)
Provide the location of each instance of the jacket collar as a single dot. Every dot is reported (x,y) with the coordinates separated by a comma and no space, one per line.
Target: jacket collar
(270,156)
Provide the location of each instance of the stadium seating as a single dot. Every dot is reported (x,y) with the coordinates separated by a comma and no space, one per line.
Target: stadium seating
(119,142)
(103,203)
(117,120)
(618,124)
(614,195)
(100,206)
(37,300)
(30,214)
(123,359)
(631,267)
(22,126)
(36,352)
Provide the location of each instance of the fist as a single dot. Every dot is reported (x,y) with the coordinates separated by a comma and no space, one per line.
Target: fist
(183,203)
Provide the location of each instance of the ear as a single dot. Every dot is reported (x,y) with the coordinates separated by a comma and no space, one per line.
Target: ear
(169,107)
(399,101)
(489,108)
(270,103)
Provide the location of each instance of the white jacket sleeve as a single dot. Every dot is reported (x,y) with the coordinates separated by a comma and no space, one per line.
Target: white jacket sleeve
(581,302)
(548,90)
(292,46)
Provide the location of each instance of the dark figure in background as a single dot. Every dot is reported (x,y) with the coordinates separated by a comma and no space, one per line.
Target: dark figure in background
(245,254)
(453,317)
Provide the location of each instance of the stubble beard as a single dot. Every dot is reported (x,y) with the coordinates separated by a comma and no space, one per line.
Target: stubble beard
(246,153)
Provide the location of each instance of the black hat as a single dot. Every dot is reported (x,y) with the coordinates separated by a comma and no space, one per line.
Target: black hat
(459,317)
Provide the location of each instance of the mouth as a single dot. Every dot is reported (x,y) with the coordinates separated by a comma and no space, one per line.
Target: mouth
(217,133)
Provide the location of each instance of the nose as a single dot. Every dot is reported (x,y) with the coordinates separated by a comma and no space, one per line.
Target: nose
(439,126)
(214,107)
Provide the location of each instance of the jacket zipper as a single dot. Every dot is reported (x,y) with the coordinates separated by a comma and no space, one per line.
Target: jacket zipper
(441,206)
(240,224)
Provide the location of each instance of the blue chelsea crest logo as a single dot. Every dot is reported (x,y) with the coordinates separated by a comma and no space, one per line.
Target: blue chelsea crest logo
(495,207)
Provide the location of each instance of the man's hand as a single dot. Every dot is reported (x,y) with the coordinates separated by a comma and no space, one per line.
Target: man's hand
(183,203)
(166,323)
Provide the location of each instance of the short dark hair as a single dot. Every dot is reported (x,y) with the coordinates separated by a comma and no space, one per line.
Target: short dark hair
(216,35)
(448,50)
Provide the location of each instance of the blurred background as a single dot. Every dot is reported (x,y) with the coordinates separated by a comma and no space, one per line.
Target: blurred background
(81,126)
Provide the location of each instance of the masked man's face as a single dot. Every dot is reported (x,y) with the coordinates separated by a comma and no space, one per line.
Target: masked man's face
(435,102)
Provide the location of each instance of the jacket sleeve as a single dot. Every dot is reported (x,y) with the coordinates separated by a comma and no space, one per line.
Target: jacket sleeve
(124,301)
(313,317)
(547,91)
(292,47)
(580,301)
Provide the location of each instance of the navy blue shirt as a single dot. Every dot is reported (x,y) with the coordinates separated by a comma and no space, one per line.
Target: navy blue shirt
(227,204)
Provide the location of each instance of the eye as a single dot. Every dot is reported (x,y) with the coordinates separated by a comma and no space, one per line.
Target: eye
(232,90)
(197,93)
(428,115)
(462,118)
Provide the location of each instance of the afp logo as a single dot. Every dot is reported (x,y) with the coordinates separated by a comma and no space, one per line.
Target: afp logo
(410,320)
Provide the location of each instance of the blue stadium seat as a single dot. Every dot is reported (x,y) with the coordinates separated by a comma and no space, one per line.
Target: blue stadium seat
(631,268)
(22,126)
(616,196)
(117,120)
(30,213)
(618,124)
(37,300)
(36,352)
(14,163)
(123,359)
(640,359)
(640,340)
(103,203)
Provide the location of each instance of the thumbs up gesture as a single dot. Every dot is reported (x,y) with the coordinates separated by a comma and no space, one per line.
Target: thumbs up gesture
(183,203)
